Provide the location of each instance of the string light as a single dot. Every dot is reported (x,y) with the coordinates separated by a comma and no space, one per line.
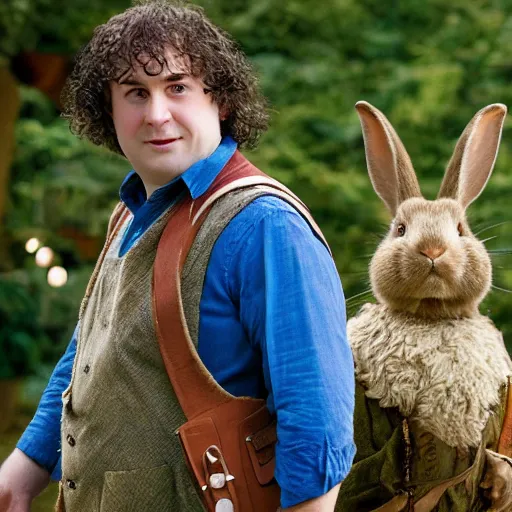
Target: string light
(32,245)
(44,257)
(57,277)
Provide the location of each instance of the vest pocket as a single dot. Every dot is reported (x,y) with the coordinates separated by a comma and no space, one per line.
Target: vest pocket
(158,489)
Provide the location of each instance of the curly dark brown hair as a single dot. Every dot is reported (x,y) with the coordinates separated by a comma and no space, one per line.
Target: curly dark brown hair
(139,36)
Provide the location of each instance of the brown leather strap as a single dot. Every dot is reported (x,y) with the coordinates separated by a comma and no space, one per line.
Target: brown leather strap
(265,437)
(194,386)
(428,502)
(431,499)
(274,188)
(396,504)
(505,442)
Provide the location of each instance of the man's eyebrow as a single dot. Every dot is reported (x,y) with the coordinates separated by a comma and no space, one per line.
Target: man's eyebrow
(175,77)
(172,77)
(128,81)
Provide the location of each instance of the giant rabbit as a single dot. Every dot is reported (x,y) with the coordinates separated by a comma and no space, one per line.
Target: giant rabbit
(432,372)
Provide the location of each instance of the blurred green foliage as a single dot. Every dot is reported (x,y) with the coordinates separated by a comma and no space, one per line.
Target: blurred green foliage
(59,185)
(429,66)
(51,26)
(18,329)
(59,180)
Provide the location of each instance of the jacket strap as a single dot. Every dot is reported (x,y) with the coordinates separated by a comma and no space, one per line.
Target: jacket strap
(429,501)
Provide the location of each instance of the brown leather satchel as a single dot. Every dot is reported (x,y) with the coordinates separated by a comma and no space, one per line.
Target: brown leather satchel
(228,441)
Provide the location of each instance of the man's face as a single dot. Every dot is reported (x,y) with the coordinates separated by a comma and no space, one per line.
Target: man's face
(164,123)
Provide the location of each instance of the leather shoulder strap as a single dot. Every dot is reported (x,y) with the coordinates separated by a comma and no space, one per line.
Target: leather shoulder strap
(194,386)
(222,212)
(196,265)
(270,187)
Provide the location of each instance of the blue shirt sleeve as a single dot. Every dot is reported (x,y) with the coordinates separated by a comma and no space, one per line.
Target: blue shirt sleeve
(41,439)
(292,307)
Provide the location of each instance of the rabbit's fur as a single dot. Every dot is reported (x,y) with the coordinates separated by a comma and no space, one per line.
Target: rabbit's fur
(424,348)
(445,375)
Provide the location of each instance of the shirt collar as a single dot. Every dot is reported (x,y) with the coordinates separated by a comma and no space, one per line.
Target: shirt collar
(197,178)
(201,175)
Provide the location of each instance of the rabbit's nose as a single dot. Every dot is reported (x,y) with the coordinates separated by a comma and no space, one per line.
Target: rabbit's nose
(433,252)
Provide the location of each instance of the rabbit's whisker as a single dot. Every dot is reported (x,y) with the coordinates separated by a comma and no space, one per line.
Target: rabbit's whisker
(366,292)
(493,226)
(490,238)
(500,289)
(374,237)
(500,252)
(354,306)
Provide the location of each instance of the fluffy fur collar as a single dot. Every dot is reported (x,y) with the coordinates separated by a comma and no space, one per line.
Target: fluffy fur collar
(445,375)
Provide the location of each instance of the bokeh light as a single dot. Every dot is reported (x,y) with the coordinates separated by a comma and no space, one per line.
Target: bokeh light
(57,277)
(32,245)
(44,257)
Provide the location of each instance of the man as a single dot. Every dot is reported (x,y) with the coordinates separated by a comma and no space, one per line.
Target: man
(173,93)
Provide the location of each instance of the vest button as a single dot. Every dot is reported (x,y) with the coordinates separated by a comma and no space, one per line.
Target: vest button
(87,368)
(71,484)
(71,440)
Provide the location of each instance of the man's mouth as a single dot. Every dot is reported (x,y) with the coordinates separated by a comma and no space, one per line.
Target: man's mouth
(161,142)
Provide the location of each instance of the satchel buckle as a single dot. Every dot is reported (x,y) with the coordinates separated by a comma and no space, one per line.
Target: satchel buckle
(218,476)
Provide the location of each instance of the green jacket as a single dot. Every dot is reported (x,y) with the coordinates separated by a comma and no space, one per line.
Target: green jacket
(398,460)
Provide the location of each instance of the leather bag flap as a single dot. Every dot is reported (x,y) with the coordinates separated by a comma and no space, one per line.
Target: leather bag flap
(196,436)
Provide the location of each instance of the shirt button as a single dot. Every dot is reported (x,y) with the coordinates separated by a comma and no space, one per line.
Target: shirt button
(87,368)
(71,440)
(71,484)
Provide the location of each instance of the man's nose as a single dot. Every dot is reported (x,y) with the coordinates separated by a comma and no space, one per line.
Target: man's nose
(158,110)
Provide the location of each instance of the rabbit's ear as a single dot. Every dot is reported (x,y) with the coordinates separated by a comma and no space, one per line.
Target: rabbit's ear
(475,153)
(389,165)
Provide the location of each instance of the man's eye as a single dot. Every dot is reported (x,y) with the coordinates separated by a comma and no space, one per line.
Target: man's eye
(178,88)
(138,93)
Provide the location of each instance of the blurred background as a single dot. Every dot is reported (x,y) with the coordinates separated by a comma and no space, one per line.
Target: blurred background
(429,65)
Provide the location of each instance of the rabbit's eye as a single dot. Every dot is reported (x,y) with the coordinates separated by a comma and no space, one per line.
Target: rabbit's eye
(459,229)
(400,230)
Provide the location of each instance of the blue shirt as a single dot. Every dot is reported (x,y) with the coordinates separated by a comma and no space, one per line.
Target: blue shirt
(272,325)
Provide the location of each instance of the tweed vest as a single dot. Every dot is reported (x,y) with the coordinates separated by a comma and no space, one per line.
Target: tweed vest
(119,451)
(120,414)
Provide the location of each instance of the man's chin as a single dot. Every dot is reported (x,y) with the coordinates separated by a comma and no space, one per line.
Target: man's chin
(171,169)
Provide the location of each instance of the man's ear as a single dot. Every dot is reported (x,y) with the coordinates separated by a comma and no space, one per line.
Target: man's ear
(107,98)
(223,113)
